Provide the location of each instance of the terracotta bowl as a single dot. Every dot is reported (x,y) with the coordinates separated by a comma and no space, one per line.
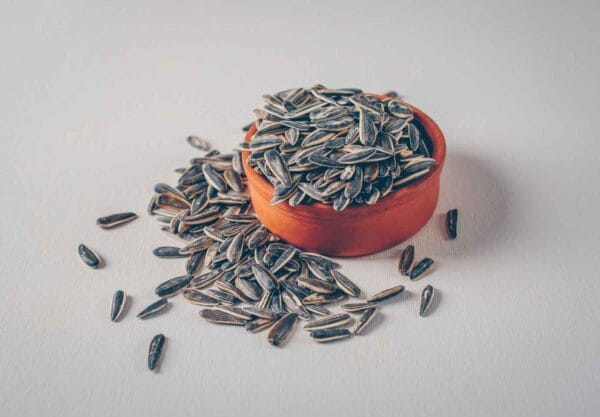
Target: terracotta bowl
(357,230)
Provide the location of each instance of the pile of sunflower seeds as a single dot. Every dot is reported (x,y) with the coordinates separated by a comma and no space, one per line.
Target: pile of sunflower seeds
(238,270)
(235,267)
(336,146)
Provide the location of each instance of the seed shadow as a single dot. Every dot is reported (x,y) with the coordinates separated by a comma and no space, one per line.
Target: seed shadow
(485,219)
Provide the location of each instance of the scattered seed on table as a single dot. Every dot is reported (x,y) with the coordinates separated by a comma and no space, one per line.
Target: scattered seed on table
(89,257)
(406,259)
(426,299)
(198,143)
(155,351)
(365,318)
(452,223)
(168,252)
(420,268)
(153,308)
(357,307)
(386,294)
(330,335)
(113,220)
(119,302)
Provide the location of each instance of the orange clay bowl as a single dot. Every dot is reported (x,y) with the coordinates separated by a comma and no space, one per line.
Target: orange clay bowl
(359,229)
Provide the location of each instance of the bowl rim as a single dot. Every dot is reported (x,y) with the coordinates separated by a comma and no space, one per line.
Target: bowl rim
(259,184)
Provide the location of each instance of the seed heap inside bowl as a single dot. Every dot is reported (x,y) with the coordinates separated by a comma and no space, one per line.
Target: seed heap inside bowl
(336,146)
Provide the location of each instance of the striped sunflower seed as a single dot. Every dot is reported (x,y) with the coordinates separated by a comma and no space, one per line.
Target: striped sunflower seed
(198,142)
(118,306)
(282,329)
(172,287)
(420,268)
(406,259)
(365,318)
(426,300)
(330,335)
(153,309)
(89,257)
(386,294)
(328,322)
(155,351)
(452,223)
(108,222)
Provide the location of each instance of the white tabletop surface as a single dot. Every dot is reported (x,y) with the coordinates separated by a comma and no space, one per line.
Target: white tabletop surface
(97,98)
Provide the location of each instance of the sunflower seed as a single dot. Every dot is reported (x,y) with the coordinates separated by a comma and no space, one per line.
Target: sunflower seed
(329,335)
(318,310)
(320,299)
(357,307)
(367,130)
(248,288)
(282,329)
(451,223)
(89,257)
(155,351)
(317,285)
(168,252)
(200,244)
(329,322)
(365,318)
(119,303)
(153,308)
(283,259)
(386,294)
(426,300)
(199,298)
(265,278)
(108,222)
(194,263)
(220,317)
(236,163)
(420,268)
(235,249)
(344,284)
(213,179)
(173,286)
(198,142)
(205,280)
(261,313)
(406,259)
(235,312)
(223,297)
(278,166)
(257,325)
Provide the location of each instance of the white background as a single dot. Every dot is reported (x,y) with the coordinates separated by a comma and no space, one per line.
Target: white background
(96,99)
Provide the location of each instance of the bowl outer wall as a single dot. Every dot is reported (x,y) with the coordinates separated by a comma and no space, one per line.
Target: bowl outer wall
(357,230)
